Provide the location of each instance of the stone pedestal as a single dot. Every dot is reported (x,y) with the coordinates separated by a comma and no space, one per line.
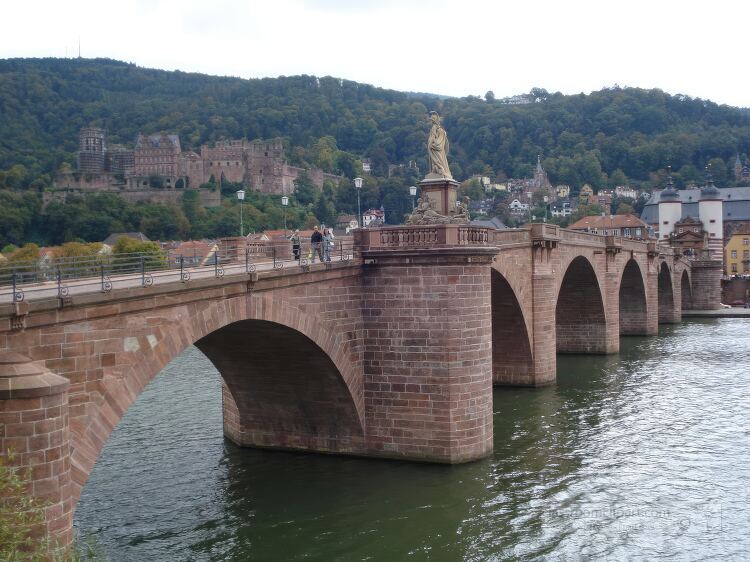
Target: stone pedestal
(442,193)
(34,432)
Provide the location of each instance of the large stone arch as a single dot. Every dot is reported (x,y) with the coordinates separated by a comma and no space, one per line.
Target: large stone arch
(512,361)
(665,294)
(633,304)
(580,317)
(144,356)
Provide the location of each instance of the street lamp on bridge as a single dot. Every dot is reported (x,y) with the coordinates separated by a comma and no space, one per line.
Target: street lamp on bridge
(241,197)
(413,193)
(358,185)
(284,203)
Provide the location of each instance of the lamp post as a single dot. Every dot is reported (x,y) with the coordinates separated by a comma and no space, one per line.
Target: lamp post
(241,197)
(358,185)
(413,193)
(284,203)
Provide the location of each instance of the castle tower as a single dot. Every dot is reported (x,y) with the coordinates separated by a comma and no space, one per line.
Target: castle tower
(670,209)
(92,149)
(711,214)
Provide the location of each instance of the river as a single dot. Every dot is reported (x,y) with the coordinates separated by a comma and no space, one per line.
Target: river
(640,455)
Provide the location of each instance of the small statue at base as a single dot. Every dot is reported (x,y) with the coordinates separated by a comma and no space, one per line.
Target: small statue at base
(424,214)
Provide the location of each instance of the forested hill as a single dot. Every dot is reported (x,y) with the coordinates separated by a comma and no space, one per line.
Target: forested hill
(613,135)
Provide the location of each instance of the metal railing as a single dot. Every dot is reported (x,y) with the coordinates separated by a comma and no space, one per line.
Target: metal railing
(51,277)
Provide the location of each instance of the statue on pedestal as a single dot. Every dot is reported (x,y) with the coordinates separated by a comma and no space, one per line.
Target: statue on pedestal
(437,149)
(439,187)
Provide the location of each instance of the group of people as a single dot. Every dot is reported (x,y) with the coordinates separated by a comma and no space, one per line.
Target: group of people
(321,244)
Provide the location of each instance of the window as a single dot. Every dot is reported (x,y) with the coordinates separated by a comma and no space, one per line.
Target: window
(734,268)
(626,232)
(745,241)
(679,230)
(745,254)
(666,222)
(637,231)
(734,254)
(712,220)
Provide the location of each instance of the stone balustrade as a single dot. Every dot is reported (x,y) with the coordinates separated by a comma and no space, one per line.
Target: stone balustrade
(421,237)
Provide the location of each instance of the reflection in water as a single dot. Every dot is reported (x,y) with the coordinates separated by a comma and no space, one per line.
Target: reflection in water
(640,455)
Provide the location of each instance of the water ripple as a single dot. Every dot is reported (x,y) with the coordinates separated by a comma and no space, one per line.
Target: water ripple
(643,455)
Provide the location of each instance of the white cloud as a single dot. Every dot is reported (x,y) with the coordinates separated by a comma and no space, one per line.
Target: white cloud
(454,48)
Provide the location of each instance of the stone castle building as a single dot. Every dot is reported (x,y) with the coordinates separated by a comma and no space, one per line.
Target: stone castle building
(158,169)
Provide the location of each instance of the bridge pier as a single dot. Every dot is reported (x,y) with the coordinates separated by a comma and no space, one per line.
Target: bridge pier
(706,284)
(428,362)
(35,439)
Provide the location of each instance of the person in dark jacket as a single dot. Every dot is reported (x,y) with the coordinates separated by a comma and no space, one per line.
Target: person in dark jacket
(316,240)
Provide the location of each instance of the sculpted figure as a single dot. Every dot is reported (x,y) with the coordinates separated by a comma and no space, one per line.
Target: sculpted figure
(437,148)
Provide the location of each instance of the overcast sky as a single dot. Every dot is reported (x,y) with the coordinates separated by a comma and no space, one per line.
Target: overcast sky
(447,47)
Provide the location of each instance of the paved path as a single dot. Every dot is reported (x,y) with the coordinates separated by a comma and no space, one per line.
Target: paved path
(49,290)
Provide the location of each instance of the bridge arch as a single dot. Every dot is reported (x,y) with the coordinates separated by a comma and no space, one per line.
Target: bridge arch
(579,312)
(686,290)
(245,338)
(665,294)
(632,301)
(511,346)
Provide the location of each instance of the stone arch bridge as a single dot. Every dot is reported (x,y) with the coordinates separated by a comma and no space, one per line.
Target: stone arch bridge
(392,354)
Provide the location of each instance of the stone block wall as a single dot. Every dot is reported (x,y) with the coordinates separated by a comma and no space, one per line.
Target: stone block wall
(706,283)
(428,361)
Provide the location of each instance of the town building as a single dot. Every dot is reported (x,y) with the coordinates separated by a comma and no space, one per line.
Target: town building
(563,191)
(627,226)
(626,192)
(737,253)
(561,208)
(586,195)
(373,217)
(517,208)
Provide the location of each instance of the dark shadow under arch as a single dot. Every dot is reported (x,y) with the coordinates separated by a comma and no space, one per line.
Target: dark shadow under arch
(281,389)
(666,295)
(579,313)
(511,349)
(632,297)
(686,291)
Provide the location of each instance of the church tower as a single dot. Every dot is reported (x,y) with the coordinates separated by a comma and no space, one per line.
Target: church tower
(540,176)
(738,168)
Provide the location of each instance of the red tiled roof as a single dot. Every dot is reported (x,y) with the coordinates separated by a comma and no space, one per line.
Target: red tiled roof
(608,221)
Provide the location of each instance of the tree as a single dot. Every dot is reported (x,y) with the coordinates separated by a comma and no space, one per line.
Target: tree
(624,209)
(78,250)
(325,211)
(304,189)
(29,252)
(489,96)
(20,515)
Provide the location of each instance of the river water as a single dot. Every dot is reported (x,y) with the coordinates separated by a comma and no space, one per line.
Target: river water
(641,455)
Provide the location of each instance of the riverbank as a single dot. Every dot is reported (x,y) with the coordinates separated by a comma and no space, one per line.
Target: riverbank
(720,313)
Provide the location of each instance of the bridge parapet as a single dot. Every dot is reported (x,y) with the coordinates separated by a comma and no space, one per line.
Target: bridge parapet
(421,237)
